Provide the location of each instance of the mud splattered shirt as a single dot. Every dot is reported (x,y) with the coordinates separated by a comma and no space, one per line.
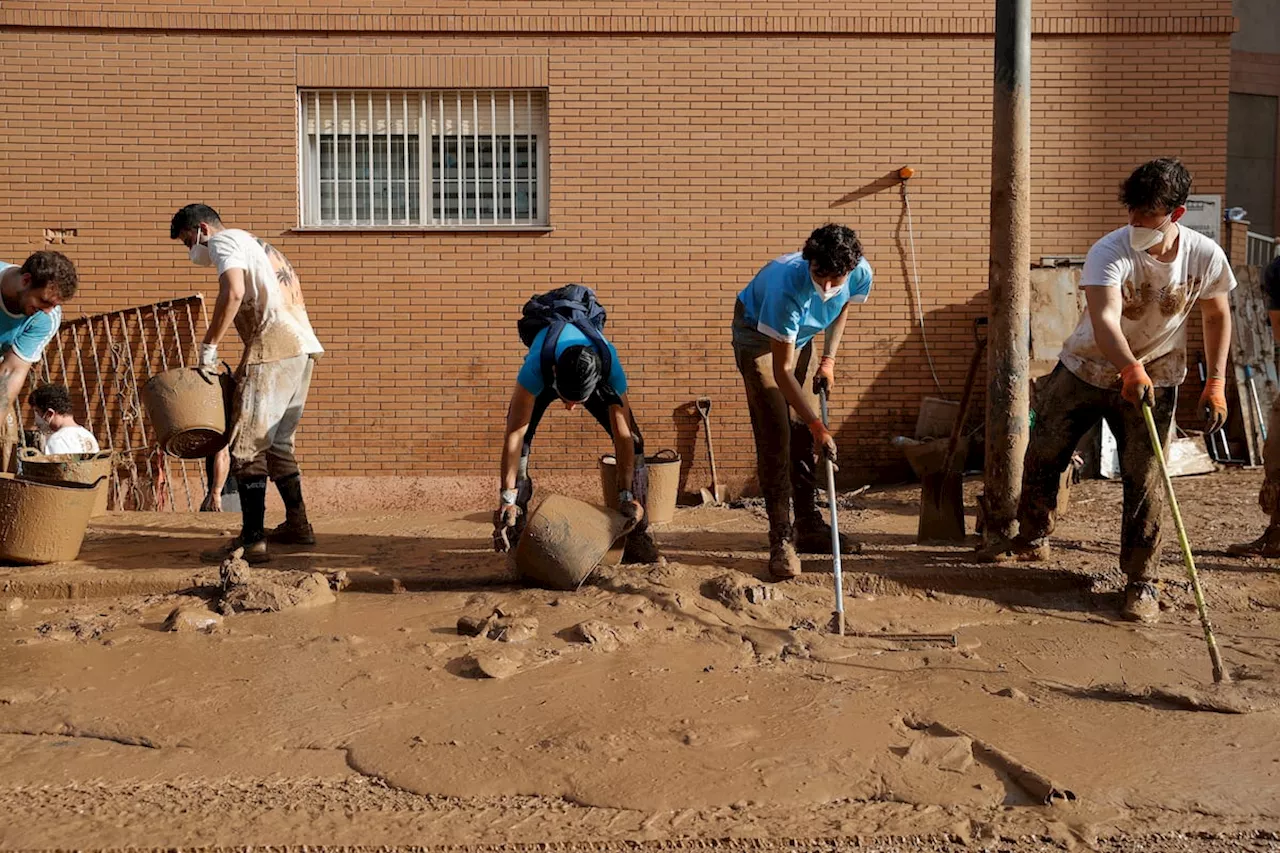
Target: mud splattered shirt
(272,320)
(1158,298)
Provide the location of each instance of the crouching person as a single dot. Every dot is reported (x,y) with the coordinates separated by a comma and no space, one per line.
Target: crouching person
(570,360)
(259,293)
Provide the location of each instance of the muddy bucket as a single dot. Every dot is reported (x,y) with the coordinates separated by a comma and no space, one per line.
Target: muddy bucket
(82,468)
(42,522)
(664,484)
(565,539)
(189,414)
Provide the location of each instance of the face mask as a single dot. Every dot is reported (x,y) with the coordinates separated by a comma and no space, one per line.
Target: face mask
(42,424)
(1141,238)
(827,295)
(199,254)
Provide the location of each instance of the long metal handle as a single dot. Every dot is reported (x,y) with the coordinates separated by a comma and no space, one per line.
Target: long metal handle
(835,527)
(1215,657)
(1257,404)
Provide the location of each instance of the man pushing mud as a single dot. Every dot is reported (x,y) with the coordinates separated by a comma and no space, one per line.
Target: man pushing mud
(1141,283)
(259,292)
(775,320)
(570,360)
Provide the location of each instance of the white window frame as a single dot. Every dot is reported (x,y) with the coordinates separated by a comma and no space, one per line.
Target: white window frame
(462,108)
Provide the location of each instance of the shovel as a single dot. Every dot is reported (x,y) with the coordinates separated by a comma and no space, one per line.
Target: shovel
(715,494)
(942,484)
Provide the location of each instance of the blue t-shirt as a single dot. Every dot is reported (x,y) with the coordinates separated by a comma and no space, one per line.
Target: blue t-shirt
(26,336)
(530,376)
(782,302)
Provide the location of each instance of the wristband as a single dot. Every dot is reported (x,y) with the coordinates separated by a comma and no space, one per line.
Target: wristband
(625,496)
(509,497)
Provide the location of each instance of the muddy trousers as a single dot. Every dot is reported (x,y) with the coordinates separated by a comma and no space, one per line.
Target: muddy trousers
(1269,496)
(598,405)
(268,405)
(1066,408)
(785,462)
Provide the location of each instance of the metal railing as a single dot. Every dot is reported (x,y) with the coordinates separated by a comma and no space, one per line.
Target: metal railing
(1260,250)
(104,359)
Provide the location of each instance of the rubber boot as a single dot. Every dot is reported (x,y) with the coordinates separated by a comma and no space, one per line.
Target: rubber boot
(252,538)
(296,529)
(1266,545)
(640,549)
(812,532)
(1015,550)
(784,562)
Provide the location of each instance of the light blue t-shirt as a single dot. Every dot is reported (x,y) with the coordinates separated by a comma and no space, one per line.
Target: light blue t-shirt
(530,376)
(26,336)
(782,302)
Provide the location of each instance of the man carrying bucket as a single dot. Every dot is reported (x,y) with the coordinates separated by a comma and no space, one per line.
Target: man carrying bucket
(570,360)
(31,297)
(775,319)
(259,292)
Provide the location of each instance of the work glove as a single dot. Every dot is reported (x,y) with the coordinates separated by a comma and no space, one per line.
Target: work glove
(630,509)
(506,522)
(1213,402)
(825,378)
(824,445)
(208,364)
(1138,387)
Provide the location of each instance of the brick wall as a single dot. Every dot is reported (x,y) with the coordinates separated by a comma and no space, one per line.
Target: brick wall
(681,160)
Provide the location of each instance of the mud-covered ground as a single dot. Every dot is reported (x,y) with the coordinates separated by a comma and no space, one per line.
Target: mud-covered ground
(688,705)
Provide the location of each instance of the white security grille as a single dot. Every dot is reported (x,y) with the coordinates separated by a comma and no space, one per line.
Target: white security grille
(440,157)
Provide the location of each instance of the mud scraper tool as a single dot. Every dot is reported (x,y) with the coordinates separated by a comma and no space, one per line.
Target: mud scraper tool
(835,526)
(715,494)
(1215,657)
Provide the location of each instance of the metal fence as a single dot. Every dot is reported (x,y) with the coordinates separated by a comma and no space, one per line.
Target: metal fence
(104,360)
(1260,250)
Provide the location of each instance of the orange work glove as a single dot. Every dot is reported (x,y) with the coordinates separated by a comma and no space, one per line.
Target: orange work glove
(824,446)
(825,378)
(1138,387)
(1213,401)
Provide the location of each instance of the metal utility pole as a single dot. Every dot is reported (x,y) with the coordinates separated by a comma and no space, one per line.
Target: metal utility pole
(1009,292)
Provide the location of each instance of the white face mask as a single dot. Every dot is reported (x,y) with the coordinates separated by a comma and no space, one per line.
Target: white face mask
(42,424)
(199,253)
(1141,238)
(828,295)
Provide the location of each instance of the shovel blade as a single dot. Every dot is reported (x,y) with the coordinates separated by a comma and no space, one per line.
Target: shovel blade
(707,497)
(941,508)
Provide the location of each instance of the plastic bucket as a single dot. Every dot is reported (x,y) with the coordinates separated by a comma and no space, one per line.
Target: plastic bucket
(664,484)
(83,468)
(565,539)
(42,522)
(189,414)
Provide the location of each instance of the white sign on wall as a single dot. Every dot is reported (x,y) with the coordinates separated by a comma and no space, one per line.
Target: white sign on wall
(1204,214)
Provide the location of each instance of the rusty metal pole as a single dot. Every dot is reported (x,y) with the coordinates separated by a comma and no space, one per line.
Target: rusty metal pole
(1009,293)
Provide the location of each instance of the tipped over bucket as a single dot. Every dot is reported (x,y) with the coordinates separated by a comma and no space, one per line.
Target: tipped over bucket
(565,540)
(189,413)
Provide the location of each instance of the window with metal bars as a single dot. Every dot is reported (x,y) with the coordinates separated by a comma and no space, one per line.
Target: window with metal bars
(445,158)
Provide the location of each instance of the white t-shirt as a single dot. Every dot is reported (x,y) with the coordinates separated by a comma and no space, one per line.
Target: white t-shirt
(272,320)
(71,439)
(1158,298)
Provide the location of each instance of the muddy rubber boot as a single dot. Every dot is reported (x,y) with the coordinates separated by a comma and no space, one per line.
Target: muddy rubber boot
(296,529)
(1141,603)
(253,503)
(640,549)
(784,562)
(1266,545)
(1016,550)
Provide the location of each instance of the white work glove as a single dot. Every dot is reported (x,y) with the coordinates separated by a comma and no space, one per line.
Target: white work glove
(208,365)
